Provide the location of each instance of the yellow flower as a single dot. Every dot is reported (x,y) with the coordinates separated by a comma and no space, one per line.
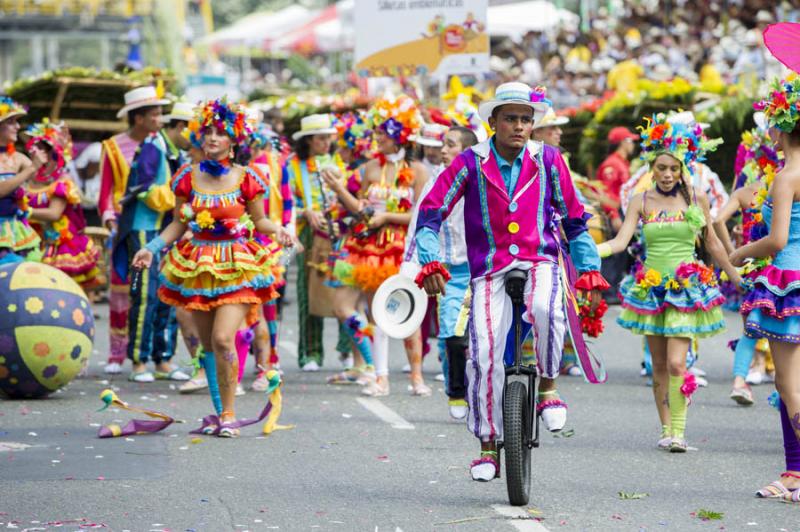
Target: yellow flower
(205,220)
(673,285)
(61,224)
(652,278)
(687,283)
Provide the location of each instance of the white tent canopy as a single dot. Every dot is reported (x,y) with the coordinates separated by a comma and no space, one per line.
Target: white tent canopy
(257,30)
(514,20)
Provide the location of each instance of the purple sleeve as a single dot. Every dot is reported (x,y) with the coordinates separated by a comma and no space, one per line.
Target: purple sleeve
(447,190)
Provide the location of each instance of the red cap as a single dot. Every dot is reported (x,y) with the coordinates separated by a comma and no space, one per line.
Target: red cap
(618,134)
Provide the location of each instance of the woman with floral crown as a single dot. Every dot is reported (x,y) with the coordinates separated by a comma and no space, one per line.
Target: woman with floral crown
(673,297)
(221,274)
(374,251)
(772,305)
(56,212)
(18,240)
(757,162)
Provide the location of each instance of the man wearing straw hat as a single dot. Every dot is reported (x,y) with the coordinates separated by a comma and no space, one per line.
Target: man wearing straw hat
(142,110)
(146,209)
(311,199)
(527,188)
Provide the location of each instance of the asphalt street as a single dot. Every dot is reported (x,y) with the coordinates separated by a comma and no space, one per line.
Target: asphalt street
(389,464)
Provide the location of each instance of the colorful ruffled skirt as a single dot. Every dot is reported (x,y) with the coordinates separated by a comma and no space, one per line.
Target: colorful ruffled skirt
(17,235)
(365,263)
(205,274)
(77,257)
(686,303)
(772,306)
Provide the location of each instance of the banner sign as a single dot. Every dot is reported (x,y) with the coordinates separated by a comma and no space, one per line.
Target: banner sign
(436,37)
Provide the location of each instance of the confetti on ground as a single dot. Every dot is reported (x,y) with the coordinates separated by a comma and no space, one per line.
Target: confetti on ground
(631,496)
(196,440)
(707,515)
(564,433)
(346,416)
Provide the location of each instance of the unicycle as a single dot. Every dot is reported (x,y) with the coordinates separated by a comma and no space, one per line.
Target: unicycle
(520,423)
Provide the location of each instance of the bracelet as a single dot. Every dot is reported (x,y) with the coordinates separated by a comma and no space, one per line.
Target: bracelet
(156,245)
(604,250)
(429,269)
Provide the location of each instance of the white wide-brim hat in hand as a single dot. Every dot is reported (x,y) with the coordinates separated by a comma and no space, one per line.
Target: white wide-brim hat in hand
(141,97)
(321,124)
(399,306)
(519,94)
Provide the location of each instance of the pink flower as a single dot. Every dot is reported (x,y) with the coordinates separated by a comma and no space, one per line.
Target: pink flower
(689,385)
(686,270)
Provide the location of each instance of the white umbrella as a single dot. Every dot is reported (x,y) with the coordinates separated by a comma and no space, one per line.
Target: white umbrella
(514,20)
(255,30)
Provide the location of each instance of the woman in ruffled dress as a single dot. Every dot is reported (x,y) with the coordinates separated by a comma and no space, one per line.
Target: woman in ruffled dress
(374,250)
(673,297)
(18,240)
(772,305)
(56,211)
(222,274)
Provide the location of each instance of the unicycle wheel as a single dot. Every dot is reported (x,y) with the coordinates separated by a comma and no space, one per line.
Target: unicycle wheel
(517,452)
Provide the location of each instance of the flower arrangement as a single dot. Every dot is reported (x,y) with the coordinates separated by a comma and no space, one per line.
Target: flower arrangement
(55,135)
(592,320)
(687,274)
(220,114)
(782,107)
(398,117)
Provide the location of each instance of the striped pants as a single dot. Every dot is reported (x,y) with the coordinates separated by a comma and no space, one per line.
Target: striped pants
(490,330)
(152,324)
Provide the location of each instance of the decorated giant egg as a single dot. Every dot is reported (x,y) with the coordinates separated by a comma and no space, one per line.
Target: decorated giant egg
(46,329)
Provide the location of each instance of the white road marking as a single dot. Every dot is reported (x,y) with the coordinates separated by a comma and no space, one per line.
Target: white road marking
(385,413)
(519,518)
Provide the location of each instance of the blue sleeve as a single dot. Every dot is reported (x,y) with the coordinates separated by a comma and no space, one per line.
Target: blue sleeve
(583,252)
(148,162)
(427,245)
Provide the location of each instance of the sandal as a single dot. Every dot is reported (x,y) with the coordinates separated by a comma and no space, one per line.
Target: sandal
(485,468)
(678,445)
(141,376)
(227,429)
(420,389)
(776,489)
(743,396)
(348,376)
(176,374)
(552,411)
(193,385)
(793,497)
(376,389)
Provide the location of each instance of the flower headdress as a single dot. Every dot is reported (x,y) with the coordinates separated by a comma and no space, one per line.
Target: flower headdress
(398,117)
(262,136)
(684,141)
(54,135)
(220,114)
(782,108)
(755,156)
(353,133)
(9,108)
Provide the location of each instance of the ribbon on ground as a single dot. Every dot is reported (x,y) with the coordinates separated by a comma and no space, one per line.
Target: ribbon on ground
(159,422)
(212,424)
(594,370)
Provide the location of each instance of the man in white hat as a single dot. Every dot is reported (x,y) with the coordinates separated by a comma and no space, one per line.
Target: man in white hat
(311,199)
(515,192)
(431,140)
(146,209)
(142,110)
(548,129)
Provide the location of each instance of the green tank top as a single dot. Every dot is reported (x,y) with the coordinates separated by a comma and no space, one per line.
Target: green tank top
(670,238)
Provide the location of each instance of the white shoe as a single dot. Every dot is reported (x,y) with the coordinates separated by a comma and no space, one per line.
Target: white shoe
(574,371)
(113,368)
(701,381)
(697,372)
(483,471)
(239,390)
(755,378)
(643,373)
(439,377)
(664,443)
(554,416)
(311,366)
(458,409)
(407,368)
(347,362)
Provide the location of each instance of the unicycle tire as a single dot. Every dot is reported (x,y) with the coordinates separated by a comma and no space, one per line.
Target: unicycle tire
(517,453)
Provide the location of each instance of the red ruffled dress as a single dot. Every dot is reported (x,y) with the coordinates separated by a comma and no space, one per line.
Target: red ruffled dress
(222,263)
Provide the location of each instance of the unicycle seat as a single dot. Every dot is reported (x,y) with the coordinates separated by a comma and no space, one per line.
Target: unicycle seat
(515,285)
